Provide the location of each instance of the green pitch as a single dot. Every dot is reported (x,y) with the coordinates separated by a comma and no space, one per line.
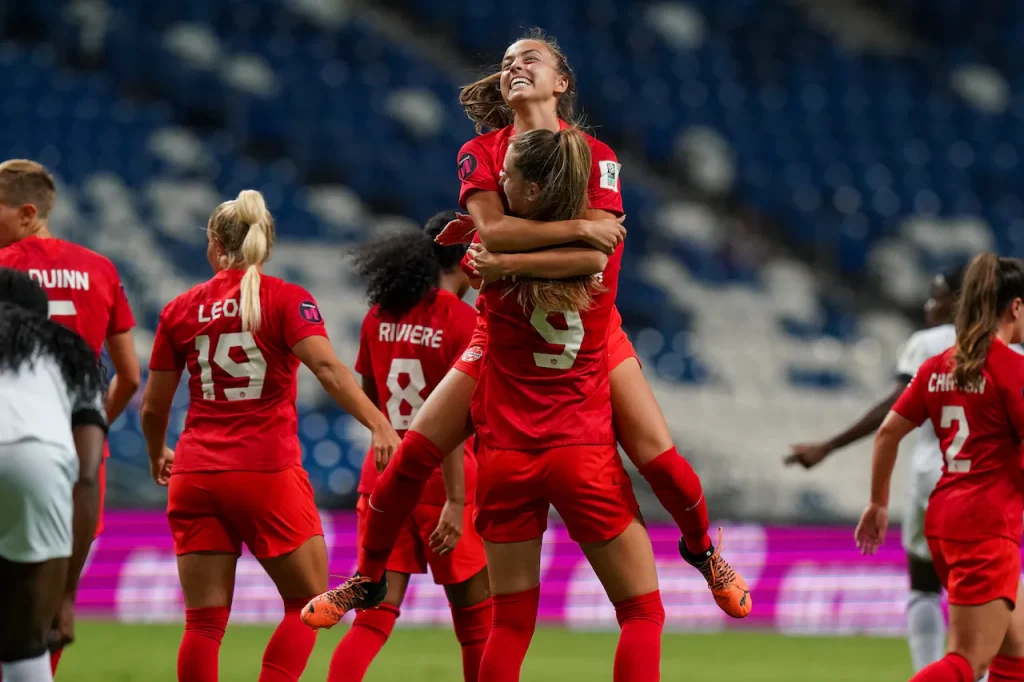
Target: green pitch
(146,653)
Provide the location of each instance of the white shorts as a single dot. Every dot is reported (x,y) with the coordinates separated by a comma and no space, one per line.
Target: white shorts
(36,482)
(914,508)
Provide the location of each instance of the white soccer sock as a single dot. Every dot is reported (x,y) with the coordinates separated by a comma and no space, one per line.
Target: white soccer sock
(926,629)
(28,670)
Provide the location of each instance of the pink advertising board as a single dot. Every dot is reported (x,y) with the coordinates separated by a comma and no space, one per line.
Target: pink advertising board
(804,580)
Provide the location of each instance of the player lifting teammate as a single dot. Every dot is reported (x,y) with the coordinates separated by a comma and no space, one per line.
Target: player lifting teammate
(236,476)
(973,394)
(417,327)
(535,89)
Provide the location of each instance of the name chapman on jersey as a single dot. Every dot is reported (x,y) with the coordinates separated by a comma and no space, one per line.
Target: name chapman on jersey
(61,279)
(943,383)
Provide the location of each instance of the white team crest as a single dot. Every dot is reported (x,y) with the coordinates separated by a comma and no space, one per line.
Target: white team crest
(610,175)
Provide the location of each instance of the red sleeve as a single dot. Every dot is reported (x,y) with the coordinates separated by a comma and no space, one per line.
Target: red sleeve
(476,170)
(603,191)
(299,315)
(121,318)
(165,357)
(911,404)
(364,363)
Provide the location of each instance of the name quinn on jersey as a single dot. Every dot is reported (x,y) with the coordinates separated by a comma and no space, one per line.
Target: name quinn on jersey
(61,279)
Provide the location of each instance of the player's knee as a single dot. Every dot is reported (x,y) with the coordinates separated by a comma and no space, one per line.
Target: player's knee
(923,577)
(470,592)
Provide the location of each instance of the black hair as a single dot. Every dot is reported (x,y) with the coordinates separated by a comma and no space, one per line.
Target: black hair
(953,280)
(18,288)
(25,336)
(399,270)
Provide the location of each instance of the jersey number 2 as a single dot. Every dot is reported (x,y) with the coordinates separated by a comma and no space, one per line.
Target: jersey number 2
(255,368)
(411,368)
(950,414)
(571,337)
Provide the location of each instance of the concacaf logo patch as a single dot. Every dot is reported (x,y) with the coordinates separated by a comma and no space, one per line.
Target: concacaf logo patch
(309,312)
(472,354)
(467,166)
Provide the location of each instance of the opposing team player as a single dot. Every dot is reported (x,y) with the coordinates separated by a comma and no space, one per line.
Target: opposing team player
(415,330)
(535,89)
(926,627)
(51,448)
(236,476)
(973,394)
(83,287)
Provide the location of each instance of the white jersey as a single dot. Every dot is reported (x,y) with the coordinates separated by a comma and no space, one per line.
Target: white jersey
(926,458)
(38,405)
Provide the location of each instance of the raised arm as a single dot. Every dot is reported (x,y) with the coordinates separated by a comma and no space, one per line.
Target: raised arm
(504,233)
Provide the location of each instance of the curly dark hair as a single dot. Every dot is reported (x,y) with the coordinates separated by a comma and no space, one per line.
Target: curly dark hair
(18,288)
(25,336)
(399,270)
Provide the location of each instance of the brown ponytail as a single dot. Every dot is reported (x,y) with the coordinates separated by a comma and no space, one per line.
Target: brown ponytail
(485,106)
(990,284)
(559,163)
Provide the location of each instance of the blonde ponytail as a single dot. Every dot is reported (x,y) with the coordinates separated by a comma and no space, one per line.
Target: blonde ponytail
(245,229)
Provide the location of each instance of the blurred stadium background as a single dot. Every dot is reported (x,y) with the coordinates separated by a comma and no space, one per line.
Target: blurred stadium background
(794,173)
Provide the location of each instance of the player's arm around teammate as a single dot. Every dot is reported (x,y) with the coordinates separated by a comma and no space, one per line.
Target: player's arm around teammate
(973,394)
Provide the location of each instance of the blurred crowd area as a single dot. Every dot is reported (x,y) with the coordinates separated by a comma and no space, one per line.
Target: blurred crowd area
(794,174)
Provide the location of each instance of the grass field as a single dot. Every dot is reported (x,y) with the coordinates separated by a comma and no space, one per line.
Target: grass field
(109,652)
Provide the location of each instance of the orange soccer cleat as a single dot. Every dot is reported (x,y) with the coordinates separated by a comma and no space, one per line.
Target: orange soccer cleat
(358,592)
(728,587)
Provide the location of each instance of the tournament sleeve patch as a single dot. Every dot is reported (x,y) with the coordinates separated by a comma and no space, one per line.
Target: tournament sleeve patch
(467,166)
(310,313)
(610,175)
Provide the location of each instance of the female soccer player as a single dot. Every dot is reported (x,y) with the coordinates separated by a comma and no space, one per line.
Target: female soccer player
(926,627)
(415,330)
(49,498)
(973,394)
(236,476)
(84,288)
(547,355)
(536,89)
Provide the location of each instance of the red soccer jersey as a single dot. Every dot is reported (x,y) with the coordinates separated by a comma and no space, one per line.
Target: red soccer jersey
(242,386)
(482,158)
(544,379)
(84,288)
(408,356)
(980,493)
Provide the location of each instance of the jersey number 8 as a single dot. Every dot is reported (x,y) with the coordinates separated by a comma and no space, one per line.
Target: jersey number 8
(255,369)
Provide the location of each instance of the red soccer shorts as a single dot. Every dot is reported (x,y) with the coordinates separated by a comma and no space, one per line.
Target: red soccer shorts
(271,513)
(412,552)
(587,485)
(977,572)
(469,362)
(620,348)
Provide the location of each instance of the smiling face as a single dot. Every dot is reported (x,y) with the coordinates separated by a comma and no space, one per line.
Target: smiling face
(530,73)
